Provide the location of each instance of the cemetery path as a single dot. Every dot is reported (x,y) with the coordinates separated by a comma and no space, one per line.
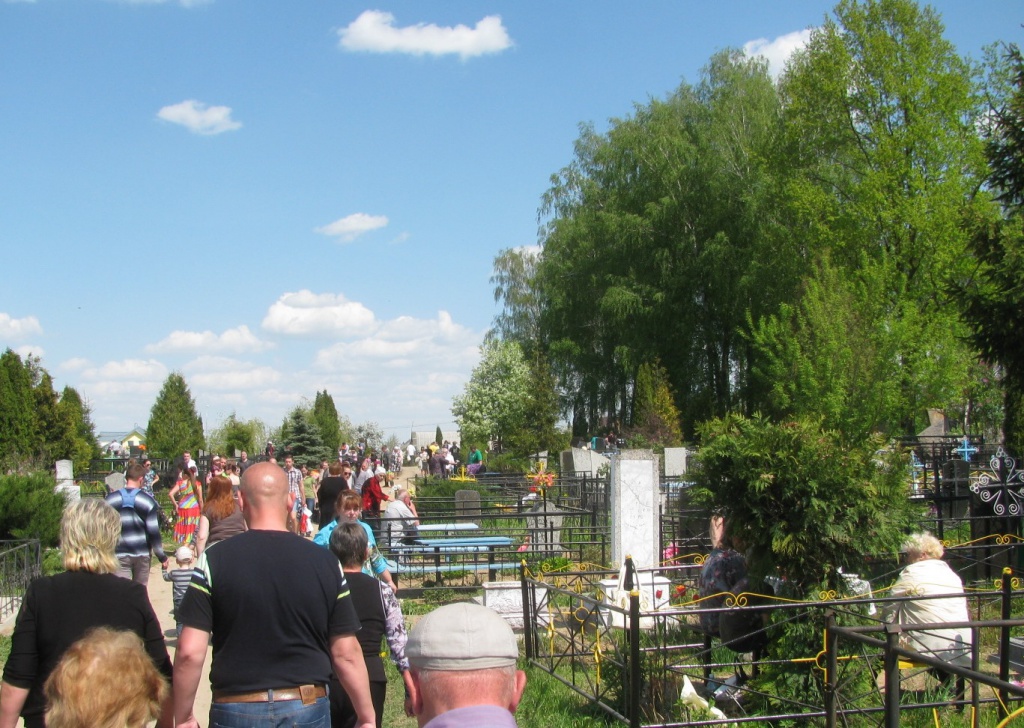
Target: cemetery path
(160,596)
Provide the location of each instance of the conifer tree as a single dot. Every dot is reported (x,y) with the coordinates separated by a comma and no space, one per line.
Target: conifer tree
(174,425)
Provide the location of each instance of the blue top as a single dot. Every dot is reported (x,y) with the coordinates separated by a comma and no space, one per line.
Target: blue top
(377,563)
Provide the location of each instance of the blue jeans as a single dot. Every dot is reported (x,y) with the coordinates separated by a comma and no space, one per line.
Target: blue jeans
(279,714)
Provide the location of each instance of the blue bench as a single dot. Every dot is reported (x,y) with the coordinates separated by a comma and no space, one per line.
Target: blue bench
(448,547)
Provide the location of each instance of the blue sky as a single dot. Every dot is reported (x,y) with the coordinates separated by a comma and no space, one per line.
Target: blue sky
(275,198)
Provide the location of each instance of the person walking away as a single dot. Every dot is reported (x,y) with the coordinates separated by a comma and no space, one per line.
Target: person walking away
(279,614)
(140,527)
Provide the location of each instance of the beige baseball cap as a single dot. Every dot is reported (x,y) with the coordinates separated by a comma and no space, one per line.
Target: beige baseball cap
(462,637)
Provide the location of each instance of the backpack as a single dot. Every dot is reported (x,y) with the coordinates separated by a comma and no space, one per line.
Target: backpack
(128,496)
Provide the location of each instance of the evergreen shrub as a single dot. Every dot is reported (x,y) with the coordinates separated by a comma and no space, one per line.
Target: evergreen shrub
(29,508)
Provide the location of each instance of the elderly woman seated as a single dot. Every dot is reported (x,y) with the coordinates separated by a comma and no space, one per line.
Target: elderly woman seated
(927,577)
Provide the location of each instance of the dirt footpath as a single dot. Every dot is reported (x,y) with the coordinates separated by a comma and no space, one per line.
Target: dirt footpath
(160,597)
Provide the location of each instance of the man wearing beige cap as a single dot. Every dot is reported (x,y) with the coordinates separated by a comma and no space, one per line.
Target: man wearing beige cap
(463,660)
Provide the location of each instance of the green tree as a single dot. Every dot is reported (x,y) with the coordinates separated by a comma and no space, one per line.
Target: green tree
(803,500)
(508,401)
(661,235)
(992,297)
(883,158)
(515,288)
(301,438)
(439,436)
(78,411)
(325,414)
(55,426)
(174,425)
(234,434)
(655,420)
(30,508)
(17,421)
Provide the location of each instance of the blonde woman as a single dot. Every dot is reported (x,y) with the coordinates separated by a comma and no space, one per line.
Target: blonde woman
(58,610)
(926,577)
(105,679)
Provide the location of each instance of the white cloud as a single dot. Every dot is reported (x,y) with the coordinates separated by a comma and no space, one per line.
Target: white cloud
(414,345)
(777,51)
(74,364)
(219,373)
(318,315)
(239,340)
(199,118)
(18,328)
(351,227)
(127,370)
(27,350)
(374,31)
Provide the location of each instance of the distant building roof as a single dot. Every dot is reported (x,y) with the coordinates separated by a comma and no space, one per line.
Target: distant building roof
(119,435)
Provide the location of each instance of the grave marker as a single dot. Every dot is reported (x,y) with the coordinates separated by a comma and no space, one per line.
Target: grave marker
(634,487)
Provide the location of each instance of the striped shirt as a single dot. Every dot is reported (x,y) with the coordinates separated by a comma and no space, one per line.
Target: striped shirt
(140,526)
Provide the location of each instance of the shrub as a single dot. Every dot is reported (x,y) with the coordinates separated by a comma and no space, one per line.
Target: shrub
(29,508)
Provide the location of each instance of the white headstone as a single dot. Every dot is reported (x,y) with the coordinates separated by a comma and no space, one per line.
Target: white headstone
(66,481)
(65,472)
(675,461)
(506,598)
(635,507)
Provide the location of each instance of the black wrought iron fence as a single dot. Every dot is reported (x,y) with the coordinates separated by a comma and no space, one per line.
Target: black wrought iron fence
(649,666)
(20,563)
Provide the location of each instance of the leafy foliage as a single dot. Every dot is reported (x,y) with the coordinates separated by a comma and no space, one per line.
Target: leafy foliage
(29,508)
(509,401)
(656,420)
(174,425)
(992,297)
(801,499)
(234,434)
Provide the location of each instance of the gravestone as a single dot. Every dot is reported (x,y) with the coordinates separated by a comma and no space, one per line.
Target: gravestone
(544,529)
(634,488)
(675,461)
(66,481)
(581,460)
(956,485)
(506,598)
(114,481)
(467,506)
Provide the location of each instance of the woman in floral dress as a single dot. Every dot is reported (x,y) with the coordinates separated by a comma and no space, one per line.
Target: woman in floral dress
(187,496)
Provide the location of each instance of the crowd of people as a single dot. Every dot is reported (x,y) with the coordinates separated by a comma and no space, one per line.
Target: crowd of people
(296,624)
(295,628)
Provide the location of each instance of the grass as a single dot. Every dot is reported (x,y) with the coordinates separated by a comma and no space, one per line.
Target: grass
(547,703)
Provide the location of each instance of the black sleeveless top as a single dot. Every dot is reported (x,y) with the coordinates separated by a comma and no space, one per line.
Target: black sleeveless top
(369,604)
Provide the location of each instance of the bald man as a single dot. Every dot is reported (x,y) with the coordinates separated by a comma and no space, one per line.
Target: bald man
(279,612)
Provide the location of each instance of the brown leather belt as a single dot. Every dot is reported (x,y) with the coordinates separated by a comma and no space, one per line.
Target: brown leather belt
(306,693)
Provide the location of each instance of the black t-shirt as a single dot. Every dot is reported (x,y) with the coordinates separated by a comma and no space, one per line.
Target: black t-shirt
(331,486)
(58,610)
(272,601)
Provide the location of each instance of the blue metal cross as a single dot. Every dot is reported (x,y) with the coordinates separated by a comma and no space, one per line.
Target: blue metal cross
(966,449)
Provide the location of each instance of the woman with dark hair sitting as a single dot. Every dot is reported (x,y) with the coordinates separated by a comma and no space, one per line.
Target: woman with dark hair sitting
(381,616)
